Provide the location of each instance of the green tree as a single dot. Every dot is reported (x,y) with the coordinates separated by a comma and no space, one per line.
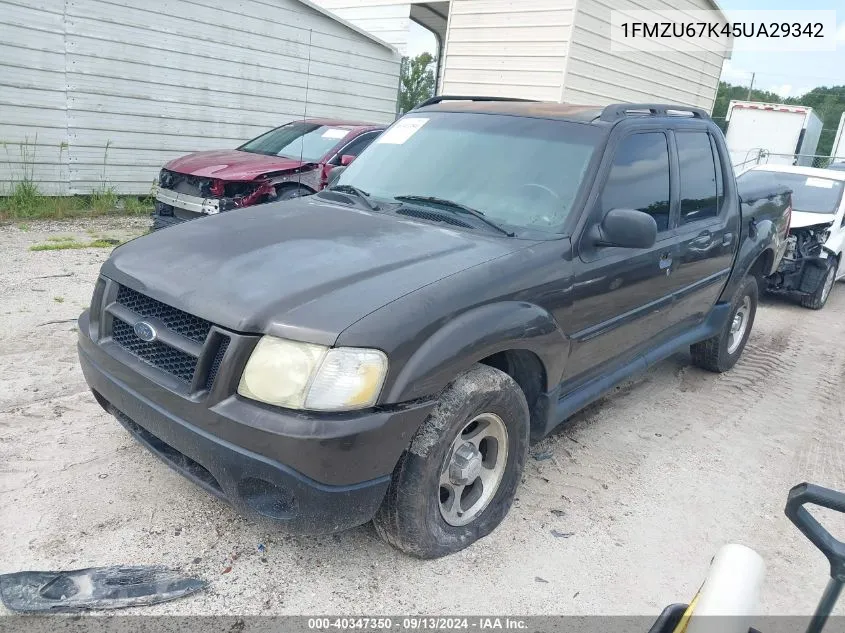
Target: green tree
(416,81)
(728,92)
(828,103)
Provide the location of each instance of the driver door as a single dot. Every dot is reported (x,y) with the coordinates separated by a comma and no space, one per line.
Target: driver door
(621,300)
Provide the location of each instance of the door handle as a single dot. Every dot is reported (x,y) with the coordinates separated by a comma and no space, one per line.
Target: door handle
(665,260)
(702,240)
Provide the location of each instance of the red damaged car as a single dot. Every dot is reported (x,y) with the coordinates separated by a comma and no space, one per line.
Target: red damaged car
(287,162)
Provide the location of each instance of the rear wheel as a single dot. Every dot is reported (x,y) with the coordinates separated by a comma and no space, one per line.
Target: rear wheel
(457,480)
(826,281)
(719,353)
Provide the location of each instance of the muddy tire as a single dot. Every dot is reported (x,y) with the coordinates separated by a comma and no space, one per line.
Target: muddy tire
(719,353)
(824,285)
(457,480)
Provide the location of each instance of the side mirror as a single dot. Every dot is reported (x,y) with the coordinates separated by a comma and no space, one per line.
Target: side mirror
(346,159)
(626,228)
(334,174)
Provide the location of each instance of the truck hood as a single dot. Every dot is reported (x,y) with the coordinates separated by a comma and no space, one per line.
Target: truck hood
(801,219)
(231,164)
(304,269)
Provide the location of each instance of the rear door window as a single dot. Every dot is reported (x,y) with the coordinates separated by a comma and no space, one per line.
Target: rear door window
(698,182)
(639,177)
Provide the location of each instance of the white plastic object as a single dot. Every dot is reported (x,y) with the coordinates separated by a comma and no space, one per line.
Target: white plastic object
(730,596)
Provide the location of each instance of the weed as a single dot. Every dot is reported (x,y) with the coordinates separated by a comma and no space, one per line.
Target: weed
(59,299)
(61,238)
(103,200)
(64,207)
(60,246)
(25,200)
(133,205)
(23,227)
(104,242)
(25,195)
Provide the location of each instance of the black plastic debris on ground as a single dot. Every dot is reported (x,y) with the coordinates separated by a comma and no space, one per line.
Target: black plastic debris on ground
(94,588)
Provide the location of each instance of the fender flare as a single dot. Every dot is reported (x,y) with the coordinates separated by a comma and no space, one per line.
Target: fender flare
(474,335)
(763,237)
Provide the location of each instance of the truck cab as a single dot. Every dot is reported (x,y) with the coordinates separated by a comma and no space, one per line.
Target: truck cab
(387,348)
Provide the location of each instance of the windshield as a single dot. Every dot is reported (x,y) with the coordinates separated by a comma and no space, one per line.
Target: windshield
(518,171)
(811,194)
(310,140)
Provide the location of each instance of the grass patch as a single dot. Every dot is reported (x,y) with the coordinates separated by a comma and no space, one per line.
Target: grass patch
(134,205)
(25,197)
(27,206)
(73,244)
(22,199)
(103,200)
(59,299)
(104,242)
(61,238)
(23,227)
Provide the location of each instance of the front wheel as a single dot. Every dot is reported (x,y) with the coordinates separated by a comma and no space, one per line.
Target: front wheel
(817,300)
(719,353)
(457,480)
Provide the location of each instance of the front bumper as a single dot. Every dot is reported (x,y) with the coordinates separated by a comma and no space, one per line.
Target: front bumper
(313,474)
(194,204)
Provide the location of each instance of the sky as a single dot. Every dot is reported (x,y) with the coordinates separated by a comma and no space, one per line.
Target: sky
(786,74)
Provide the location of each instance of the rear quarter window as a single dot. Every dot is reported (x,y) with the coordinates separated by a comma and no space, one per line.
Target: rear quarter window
(698,180)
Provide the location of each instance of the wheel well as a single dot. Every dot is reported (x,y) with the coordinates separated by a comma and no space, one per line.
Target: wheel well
(527,370)
(762,264)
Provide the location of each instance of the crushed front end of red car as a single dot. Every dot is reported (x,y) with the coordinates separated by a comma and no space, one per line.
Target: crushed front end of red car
(287,162)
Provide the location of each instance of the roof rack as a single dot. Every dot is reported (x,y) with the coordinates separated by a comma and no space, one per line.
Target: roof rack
(620,110)
(442,98)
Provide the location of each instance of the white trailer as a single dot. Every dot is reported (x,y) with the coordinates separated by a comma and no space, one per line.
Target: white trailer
(782,134)
(837,152)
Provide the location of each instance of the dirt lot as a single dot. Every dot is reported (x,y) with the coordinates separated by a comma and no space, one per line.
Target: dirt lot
(647,483)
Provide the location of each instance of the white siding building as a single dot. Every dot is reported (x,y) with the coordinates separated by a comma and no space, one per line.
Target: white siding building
(556,50)
(94,93)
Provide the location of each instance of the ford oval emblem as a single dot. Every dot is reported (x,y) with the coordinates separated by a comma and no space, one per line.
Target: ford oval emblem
(145,331)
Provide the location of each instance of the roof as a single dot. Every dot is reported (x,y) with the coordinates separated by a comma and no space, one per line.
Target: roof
(349,25)
(538,109)
(818,172)
(341,123)
(562,111)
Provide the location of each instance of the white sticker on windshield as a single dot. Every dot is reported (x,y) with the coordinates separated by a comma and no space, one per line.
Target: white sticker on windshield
(819,182)
(334,132)
(402,130)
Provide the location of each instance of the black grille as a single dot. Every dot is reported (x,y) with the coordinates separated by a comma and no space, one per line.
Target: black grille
(215,364)
(434,217)
(156,353)
(180,322)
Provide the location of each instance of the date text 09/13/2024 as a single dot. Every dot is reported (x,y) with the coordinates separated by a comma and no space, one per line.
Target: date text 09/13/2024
(421,623)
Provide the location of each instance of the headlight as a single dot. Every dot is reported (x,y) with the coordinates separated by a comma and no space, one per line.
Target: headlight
(306,376)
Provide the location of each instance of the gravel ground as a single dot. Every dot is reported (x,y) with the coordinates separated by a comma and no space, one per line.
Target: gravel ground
(644,486)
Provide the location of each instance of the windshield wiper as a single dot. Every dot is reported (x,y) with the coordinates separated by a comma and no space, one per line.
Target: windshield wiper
(456,207)
(363,196)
